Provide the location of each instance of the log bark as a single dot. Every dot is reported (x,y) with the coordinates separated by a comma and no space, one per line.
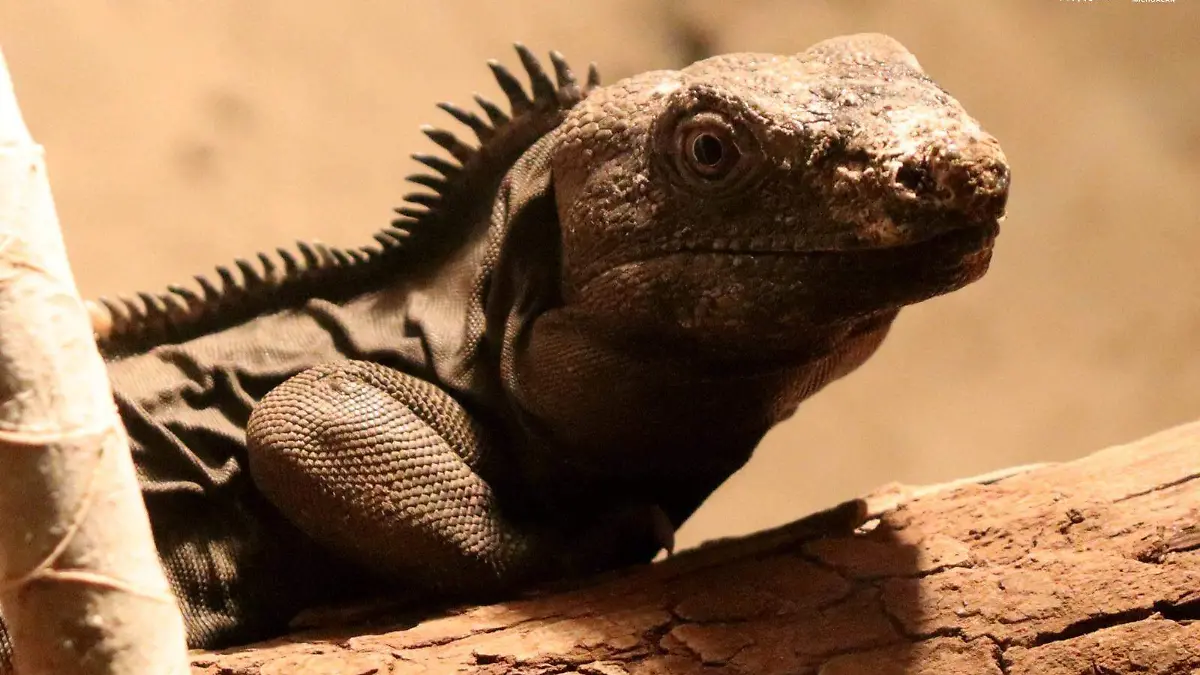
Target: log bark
(1088,567)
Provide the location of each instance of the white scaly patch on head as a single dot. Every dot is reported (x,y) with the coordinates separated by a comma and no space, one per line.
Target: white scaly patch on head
(667,86)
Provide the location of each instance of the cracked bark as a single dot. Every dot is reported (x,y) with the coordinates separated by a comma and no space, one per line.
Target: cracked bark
(1088,567)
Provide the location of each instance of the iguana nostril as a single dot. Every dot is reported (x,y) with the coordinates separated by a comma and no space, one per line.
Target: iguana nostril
(963,182)
(913,177)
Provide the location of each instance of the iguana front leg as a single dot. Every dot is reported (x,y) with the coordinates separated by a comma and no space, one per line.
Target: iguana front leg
(384,468)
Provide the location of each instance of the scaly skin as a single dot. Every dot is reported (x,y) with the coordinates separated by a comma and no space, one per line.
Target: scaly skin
(600,315)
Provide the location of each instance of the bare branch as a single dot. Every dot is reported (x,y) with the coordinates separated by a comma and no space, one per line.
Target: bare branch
(80,584)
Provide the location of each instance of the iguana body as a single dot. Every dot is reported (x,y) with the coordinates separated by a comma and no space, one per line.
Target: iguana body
(560,349)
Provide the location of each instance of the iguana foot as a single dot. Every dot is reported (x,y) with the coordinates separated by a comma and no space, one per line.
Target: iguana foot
(383,468)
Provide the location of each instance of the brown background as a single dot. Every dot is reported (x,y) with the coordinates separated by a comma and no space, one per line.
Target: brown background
(182,134)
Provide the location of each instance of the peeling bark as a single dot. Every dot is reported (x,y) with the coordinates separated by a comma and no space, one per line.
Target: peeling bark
(1088,567)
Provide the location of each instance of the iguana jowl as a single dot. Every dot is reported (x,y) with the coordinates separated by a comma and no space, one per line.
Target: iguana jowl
(563,345)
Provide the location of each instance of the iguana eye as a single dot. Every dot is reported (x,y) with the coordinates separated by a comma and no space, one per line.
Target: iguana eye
(708,148)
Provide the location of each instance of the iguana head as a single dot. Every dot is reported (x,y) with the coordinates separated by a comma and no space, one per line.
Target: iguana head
(751,199)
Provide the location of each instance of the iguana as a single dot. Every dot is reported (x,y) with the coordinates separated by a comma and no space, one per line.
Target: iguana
(579,328)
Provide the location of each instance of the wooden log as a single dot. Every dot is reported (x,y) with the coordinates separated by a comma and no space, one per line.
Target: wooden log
(1088,567)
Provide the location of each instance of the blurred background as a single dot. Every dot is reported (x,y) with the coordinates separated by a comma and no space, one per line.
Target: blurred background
(180,135)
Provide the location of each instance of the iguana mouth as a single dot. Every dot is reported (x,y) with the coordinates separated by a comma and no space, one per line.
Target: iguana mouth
(962,252)
(963,240)
(981,233)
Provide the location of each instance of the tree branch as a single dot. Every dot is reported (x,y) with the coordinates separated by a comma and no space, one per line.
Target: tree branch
(1086,567)
(80,584)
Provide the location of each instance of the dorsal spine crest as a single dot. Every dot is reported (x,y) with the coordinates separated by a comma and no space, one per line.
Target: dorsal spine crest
(279,279)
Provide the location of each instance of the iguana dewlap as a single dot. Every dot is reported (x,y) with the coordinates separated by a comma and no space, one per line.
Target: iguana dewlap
(575,332)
